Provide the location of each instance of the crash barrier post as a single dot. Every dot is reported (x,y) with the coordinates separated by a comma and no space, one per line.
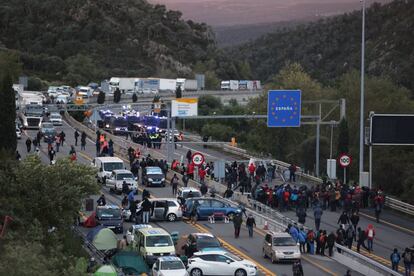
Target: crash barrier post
(360,263)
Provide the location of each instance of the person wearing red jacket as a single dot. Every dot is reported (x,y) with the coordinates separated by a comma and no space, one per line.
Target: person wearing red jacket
(201,174)
(252,169)
(370,234)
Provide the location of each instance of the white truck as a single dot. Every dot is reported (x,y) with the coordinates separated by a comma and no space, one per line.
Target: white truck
(190,85)
(167,85)
(126,85)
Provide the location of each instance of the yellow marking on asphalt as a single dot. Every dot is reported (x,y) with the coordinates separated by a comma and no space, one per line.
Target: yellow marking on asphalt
(236,251)
(87,157)
(378,259)
(388,223)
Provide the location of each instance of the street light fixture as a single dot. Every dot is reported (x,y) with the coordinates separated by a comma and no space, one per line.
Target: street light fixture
(361,118)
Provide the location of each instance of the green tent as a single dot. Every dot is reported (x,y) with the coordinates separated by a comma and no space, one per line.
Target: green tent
(105,239)
(106,270)
(130,262)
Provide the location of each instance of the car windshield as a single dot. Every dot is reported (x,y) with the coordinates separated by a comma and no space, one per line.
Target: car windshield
(234,257)
(55,116)
(122,176)
(284,241)
(47,125)
(154,171)
(207,242)
(158,241)
(171,265)
(110,166)
(109,213)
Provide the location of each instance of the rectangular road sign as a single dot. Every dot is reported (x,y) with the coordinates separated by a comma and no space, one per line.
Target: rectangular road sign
(284,108)
(392,129)
(184,107)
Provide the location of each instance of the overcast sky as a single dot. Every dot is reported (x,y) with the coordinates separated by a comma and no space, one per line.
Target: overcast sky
(236,12)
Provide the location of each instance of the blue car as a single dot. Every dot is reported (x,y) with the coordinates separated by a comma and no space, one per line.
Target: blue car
(209,206)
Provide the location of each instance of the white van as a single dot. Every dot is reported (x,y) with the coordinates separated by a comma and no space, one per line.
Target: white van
(106,165)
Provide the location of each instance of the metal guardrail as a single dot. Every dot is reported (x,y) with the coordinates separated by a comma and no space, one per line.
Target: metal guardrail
(370,267)
(399,205)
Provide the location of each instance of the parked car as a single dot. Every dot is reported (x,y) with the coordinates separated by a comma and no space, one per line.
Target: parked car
(183,193)
(48,131)
(169,266)
(280,246)
(110,216)
(163,209)
(105,166)
(219,263)
(116,180)
(153,176)
(55,119)
(208,206)
(199,241)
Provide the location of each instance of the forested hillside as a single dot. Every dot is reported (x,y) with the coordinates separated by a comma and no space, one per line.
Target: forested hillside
(329,48)
(83,40)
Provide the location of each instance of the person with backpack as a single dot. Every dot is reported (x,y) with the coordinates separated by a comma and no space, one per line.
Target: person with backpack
(297,268)
(174,184)
(361,239)
(310,239)
(350,235)
(302,240)
(354,220)
(395,259)
(370,234)
(407,257)
(250,224)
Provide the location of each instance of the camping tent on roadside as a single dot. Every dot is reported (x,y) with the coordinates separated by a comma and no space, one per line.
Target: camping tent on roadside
(102,238)
(106,270)
(130,263)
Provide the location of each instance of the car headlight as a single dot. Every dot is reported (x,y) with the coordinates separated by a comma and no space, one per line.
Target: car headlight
(107,126)
(149,254)
(249,265)
(150,179)
(163,179)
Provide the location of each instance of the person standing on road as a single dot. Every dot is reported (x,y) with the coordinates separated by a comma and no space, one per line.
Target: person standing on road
(174,184)
(395,259)
(292,173)
(237,223)
(189,156)
(146,210)
(76,134)
(125,188)
(350,236)
(62,136)
(83,140)
(101,200)
(57,141)
(28,144)
(407,257)
(317,213)
(361,239)
(301,214)
(194,211)
(355,220)
(52,154)
(378,207)
(330,240)
(250,223)
(370,234)
(343,219)
(297,268)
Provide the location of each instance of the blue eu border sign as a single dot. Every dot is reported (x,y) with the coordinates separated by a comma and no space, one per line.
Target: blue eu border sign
(283,108)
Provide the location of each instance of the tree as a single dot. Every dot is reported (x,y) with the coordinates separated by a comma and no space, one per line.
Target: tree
(178,92)
(8,140)
(101,97)
(134,98)
(117,95)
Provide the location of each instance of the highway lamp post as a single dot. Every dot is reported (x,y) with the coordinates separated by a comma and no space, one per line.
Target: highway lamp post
(330,149)
(361,119)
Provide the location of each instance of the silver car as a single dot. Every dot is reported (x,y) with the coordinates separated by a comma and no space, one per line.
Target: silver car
(280,246)
(117,178)
(163,209)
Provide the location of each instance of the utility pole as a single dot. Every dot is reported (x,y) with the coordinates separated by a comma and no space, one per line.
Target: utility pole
(361,118)
(318,132)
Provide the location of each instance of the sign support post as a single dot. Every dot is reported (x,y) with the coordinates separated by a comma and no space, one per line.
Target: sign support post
(344,161)
(344,175)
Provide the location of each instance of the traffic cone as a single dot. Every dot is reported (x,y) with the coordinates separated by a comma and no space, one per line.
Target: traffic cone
(266,226)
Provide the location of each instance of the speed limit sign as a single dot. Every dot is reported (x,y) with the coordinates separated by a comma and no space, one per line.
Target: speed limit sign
(345,160)
(197,158)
